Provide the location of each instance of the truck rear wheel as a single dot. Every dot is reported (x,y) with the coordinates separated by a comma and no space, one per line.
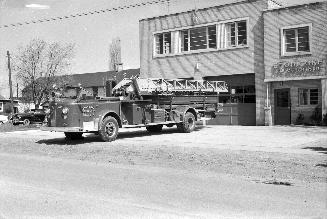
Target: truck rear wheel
(154,128)
(74,135)
(109,129)
(188,124)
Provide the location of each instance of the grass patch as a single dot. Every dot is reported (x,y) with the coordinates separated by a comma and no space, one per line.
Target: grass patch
(8,127)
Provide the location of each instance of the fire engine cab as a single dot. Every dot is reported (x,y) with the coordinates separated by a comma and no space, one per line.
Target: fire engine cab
(137,102)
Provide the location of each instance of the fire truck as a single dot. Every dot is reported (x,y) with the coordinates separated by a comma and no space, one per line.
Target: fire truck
(136,102)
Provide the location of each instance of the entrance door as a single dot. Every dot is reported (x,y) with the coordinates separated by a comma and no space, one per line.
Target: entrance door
(282,107)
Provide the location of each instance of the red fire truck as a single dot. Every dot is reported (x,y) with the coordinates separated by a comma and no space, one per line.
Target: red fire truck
(149,103)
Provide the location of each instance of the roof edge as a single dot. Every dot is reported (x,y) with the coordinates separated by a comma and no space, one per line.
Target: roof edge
(294,6)
(130,69)
(201,9)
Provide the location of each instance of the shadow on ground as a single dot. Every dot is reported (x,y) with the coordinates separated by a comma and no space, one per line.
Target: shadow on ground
(321,165)
(322,150)
(91,138)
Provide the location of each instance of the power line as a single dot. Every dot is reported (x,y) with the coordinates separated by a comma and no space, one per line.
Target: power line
(95,12)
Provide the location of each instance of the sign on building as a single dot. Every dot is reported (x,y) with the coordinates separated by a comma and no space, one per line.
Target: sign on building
(298,69)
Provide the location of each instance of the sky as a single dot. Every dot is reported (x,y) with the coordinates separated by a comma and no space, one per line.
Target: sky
(91,34)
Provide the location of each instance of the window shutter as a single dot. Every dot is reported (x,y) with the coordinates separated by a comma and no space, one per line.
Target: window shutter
(176,42)
(221,36)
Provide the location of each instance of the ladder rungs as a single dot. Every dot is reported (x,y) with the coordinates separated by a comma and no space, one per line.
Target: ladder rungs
(154,85)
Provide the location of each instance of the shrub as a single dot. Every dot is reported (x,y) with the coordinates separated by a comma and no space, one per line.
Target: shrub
(316,116)
(299,119)
(324,120)
(8,108)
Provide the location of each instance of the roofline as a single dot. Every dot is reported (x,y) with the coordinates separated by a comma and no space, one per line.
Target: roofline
(8,99)
(98,72)
(294,6)
(277,2)
(201,9)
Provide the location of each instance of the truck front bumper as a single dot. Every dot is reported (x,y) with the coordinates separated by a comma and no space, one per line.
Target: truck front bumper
(62,129)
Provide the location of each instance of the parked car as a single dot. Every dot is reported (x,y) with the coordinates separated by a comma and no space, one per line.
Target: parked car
(3,119)
(34,116)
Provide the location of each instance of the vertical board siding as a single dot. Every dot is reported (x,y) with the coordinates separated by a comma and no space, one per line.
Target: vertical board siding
(220,62)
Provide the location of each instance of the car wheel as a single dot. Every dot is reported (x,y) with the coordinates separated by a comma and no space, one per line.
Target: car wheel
(1,122)
(154,128)
(26,122)
(109,129)
(74,135)
(188,124)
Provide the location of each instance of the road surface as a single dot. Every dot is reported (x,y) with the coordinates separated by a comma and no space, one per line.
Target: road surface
(42,175)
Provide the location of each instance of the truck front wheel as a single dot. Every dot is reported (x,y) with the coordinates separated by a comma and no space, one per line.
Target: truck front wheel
(109,129)
(188,124)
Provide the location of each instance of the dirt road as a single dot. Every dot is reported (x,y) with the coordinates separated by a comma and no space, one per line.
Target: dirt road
(215,172)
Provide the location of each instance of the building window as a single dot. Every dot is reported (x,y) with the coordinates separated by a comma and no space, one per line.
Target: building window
(185,36)
(239,94)
(296,40)
(236,34)
(222,35)
(199,38)
(1,106)
(163,43)
(308,96)
(95,91)
(212,36)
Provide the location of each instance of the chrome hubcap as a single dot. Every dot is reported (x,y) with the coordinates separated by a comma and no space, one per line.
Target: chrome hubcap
(110,129)
(190,122)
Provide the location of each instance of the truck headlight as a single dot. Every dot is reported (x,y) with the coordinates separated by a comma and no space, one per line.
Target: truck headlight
(65,110)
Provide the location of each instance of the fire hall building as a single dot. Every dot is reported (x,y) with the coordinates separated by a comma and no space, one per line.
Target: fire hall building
(228,43)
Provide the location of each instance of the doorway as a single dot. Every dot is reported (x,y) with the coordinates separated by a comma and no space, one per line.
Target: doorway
(282,107)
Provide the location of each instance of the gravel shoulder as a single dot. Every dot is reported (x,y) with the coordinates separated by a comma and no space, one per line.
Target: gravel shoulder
(290,156)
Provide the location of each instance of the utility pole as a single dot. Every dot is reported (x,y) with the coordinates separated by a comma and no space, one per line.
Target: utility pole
(10,83)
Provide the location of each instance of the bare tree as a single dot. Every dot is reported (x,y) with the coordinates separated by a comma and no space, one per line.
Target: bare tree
(39,65)
(114,54)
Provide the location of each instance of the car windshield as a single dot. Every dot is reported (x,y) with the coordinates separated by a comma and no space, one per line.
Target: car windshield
(37,111)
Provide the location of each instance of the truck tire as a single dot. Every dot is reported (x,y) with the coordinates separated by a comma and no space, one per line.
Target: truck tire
(26,122)
(109,129)
(188,124)
(74,135)
(154,128)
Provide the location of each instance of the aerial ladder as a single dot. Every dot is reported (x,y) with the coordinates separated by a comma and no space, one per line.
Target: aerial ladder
(158,86)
